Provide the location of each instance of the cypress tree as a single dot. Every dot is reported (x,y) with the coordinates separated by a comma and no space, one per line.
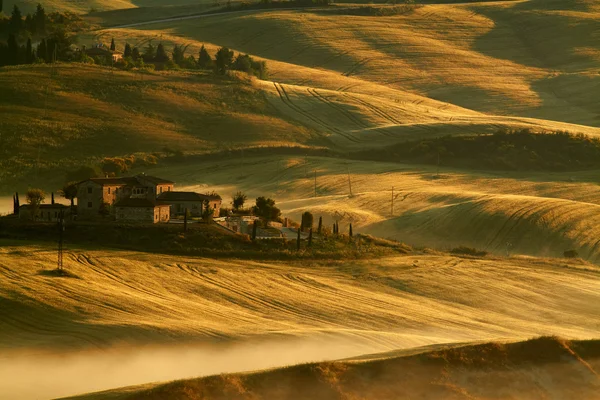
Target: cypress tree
(320,225)
(29,56)
(17,203)
(298,240)
(15,210)
(13,50)
(42,50)
(127,52)
(204,60)
(254,227)
(350,232)
(135,54)
(161,54)
(333,229)
(310,237)
(39,20)
(113,47)
(1,5)
(52,198)
(15,24)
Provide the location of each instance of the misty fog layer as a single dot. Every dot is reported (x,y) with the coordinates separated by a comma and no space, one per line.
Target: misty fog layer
(30,376)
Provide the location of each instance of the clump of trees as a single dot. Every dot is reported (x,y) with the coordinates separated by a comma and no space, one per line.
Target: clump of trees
(520,149)
(238,201)
(266,210)
(35,197)
(54,33)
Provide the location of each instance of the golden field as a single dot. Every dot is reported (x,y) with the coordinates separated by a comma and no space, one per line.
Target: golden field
(122,299)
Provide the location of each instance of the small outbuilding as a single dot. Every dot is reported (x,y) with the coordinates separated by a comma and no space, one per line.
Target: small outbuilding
(142,210)
(192,201)
(45,212)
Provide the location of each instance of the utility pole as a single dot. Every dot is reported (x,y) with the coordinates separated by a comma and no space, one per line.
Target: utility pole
(392,212)
(349,182)
(61,229)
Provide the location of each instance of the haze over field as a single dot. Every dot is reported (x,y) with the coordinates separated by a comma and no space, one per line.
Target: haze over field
(395,119)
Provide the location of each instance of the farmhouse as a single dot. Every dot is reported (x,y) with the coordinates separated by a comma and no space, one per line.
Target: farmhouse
(194,203)
(142,198)
(140,209)
(103,52)
(95,193)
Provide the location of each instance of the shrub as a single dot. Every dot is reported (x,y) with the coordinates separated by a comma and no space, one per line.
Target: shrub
(469,251)
(571,254)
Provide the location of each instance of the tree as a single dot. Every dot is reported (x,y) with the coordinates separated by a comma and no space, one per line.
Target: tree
(1,6)
(15,24)
(243,63)
(307,220)
(204,59)
(39,20)
(127,52)
(113,47)
(17,204)
(320,227)
(29,55)
(161,54)
(35,197)
(179,55)
(42,51)
(149,53)
(207,211)
(69,192)
(135,54)
(224,59)
(350,231)
(13,50)
(238,201)
(265,209)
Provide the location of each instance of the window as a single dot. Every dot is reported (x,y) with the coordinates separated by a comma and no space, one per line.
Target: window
(89,190)
(108,190)
(89,204)
(161,189)
(169,189)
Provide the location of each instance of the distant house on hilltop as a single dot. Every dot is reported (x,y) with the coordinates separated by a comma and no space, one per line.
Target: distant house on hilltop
(104,52)
(94,193)
(141,198)
(191,201)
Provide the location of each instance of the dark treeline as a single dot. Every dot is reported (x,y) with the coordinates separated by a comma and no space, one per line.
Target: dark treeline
(37,38)
(157,56)
(505,150)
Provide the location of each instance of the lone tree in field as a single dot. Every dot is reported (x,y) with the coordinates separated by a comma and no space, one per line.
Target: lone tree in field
(35,197)
(307,220)
(224,59)
(266,210)
(113,47)
(238,201)
(69,192)
(128,51)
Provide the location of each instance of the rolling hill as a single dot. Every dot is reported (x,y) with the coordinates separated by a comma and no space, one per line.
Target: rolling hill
(327,310)
(545,367)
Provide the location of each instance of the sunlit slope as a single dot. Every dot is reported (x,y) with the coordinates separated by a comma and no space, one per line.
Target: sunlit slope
(85,6)
(534,58)
(128,297)
(535,213)
(535,369)
(79,114)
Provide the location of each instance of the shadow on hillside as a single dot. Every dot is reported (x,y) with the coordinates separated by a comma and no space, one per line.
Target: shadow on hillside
(536,34)
(57,273)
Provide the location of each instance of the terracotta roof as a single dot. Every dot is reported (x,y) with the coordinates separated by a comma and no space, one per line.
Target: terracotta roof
(186,196)
(138,202)
(155,180)
(113,181)
(42,206)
